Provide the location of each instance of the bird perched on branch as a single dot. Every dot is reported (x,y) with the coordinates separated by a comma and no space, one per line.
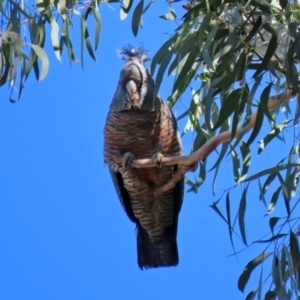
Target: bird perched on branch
(141,126)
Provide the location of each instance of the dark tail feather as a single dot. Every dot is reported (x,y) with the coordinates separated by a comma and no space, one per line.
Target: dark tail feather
(153,255)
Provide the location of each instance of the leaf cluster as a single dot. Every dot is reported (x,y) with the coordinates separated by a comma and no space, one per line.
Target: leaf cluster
(23,37)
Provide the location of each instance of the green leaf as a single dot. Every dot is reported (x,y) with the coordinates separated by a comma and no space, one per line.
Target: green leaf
(285,194)
(264,100)
(33,30)
(283,3)
(41,54)
(251,295)
(178,63)
(241,66)
(257,125)
(14,19)
(229,218)
(236,165)
(273,202)
(125,8)
(204,25)
(230,42)
(242,210)
(98,24)
(66,40)
(182,84)
(82,28)
(271,135)
(254,30)
(206,55)
(261,193)
(273,238)
(270,28)
(277,276)
(269,171)
(283,262)
(163,52)
(194,12)
(171,15)
(208,102)
(244,277)
(260,285)
(246,156)
(137,16)
(22,76)
(228,107)
(292,183)
(37,36)
(291,70)
(217,210)
(264,8)
(54,38)
(272,223)
(270,295)
(257,83)
(87,39)
(187,67)
(161,71)
(288,257)
(271,177)
(269,54)
(294,249)
(4,75)
(13,74)
(238,115)
(182,50)
(297,111)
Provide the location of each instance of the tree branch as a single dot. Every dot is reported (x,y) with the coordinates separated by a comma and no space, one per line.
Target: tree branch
(188,162)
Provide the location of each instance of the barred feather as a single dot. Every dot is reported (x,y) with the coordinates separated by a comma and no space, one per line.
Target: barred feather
(145,132)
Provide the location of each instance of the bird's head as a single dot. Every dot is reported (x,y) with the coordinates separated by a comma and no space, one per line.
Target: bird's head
(136,86)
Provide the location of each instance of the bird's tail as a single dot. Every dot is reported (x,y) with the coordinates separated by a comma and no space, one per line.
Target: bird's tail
(153,255)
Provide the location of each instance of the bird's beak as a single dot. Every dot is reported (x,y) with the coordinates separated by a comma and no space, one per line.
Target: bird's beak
(131,89)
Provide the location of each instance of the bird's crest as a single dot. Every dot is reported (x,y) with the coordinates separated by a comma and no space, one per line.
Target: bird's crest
(131,51)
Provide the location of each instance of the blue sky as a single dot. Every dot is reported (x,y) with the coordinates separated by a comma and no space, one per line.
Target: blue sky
(64,234)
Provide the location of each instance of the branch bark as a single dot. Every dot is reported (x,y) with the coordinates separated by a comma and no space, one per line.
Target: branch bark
(188,162)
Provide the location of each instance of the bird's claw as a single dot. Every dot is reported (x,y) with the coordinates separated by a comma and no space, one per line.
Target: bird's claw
(157,158)
(128,158)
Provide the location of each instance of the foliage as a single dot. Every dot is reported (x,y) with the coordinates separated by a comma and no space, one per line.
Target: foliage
(226,49)
(23,37)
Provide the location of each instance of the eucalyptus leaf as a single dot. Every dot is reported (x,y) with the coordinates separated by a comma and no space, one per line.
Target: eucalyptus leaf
(125,8)
(41,54)
(242,211)
(257,125)
(229,106)
(137,16)
(244,277)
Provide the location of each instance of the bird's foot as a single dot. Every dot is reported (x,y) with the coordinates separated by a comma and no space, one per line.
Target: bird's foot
(128,158)
(157,158)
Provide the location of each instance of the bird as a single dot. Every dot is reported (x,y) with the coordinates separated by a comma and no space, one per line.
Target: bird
(141,125)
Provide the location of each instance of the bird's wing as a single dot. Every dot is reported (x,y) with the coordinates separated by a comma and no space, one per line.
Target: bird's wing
(123,194)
